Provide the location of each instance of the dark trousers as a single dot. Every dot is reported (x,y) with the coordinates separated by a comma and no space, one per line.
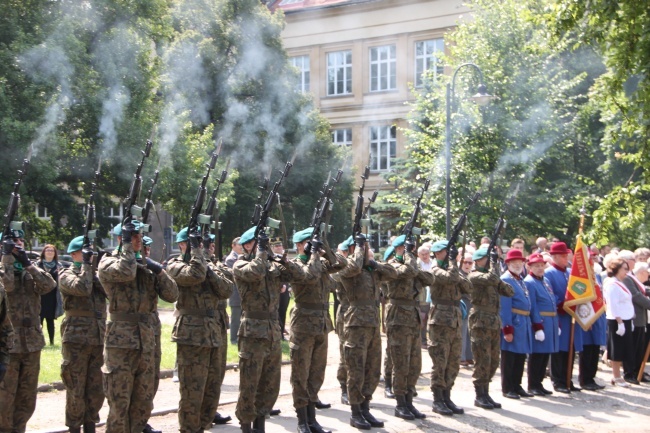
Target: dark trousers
(512,370)
(235,320)
(537,363)
(336,308)
(282,309)
(588,364)
(631,367)
(559,365)
(50,329)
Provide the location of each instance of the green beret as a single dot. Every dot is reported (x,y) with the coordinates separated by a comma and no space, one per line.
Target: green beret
(439,246)
(389,252)
(343,246)
(76,244)
(117,230)
(480,253)
(146,241)
(399,241)
(302,235)
(182,236)
(18,234)
(248,236)
(212,237)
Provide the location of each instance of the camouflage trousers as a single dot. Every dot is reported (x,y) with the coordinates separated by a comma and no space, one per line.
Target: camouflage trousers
(404,346)
(223,357)
(308,362)
(157,355)
(18,391)
(363,361)
(81,373)
(486,349)
(388,362)
(129,376)
(445,346)
(341,372)
(199,372)
(260,362)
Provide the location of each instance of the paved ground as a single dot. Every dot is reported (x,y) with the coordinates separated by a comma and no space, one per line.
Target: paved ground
(610,410)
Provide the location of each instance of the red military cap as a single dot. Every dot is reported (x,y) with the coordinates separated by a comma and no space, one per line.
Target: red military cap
(535,258)
(559,248)
(514,254)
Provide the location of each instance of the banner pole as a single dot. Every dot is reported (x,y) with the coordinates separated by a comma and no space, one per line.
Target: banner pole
(569,369)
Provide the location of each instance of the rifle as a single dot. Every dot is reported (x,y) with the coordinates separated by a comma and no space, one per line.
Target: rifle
(89,233)
(410,228)
(130,204)
(200,198)
(148,204)
(258,206)
(358,212)
(208,220)
(366,221)
(322,205)
(263,213)
(14,201)
(499,227)
(461,222)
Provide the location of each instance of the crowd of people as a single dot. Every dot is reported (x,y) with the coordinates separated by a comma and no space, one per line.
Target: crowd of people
(474,307)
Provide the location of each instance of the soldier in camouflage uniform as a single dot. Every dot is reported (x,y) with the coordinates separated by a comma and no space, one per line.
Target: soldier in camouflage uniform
(361,278)
(310,324)
(445,326)
(485,324)
(24,284)
(133,285)
(403,326)
(82,333)
(197,333)
(259,280)
(6,328)
(341,372)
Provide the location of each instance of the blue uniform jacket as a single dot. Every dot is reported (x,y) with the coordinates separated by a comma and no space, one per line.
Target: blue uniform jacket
(542,300)
(520,323)
(559,280)
(597,334)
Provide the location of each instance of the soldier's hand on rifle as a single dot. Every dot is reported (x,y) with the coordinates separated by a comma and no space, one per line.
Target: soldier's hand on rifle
(195,239)
(409,245)
(87,254)
(316,246)
(262,242)
(453,253)
(494,256)
(360,240)
(8,245)
(154,266)
(127,232)
(21,257)
(206,241)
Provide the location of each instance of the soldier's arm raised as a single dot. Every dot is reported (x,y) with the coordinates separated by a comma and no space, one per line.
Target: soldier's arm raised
(43,281)
(221,285)
(7,271)
(442,276)
(118,269)
(354,264)
(505,289)
(189,274)
(252,271)
(77,284)
(425,278)
(166,287)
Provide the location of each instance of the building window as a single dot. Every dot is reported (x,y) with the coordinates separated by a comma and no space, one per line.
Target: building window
(342,137)
(383,147)
(302,64)
(41,212)
(427,58)
(339,73)
(383,68)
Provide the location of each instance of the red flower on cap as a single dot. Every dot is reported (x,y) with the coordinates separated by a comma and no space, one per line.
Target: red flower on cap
(514,254)
(535,258)
(559,248)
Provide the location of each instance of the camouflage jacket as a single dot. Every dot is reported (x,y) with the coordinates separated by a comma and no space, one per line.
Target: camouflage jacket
(311,290)
(344,303)
(361,283)
(259,282)
(486,288)
(222,313)
(447,287)
(6,329)
(201,286)
(84,303)
(133,292)
(402,304)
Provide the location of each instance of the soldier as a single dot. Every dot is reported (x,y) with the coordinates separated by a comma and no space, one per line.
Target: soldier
(147,242)
(341,372)
(516,341)
(24,284)
(362,347)
(485,324)
(133,285)
(196,332)
(6,328)
(544,318)
(403,325)
(445,326)
(82,333)
(259,280)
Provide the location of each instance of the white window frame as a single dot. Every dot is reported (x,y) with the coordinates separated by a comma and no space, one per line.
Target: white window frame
(302,64)
(111,241)
(339,65)
(383,145)
(38,208)
(428,59)
(342,137)
(383,68)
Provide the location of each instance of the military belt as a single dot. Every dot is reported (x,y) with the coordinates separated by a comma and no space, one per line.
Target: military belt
(85,313)
(485,308)
(130,317)
(313,305)
(194,312)
(405,302)
(261,315)
(364,303)
(548,313)
(445,302)
(520,312)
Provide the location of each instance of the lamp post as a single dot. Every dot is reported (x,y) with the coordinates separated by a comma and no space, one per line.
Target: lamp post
(481,98)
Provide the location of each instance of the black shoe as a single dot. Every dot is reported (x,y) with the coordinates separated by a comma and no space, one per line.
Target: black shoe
(496,405)
(439,405)
(314,426)
(259,424)
(446,395)
(273,412)
(320,405)
(562,389)
(545,391)
(409,404)
(511,394)
(591,387)
(481,399)
(74,429)
(303,423)
(522,392)
(537,392)
(357,420)
(365,412)
(630,379)
(575,388)
(218,419)
(401,410)
(149,429)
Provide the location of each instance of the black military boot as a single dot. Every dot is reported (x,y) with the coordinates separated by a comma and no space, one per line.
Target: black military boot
(344,394)
(365,411)
(487,394)
(218,419)
(314,427)
(320,405)
(356,419)
(89,427)
(481,399)
(402,410)
(78,429)
(246,427)
(148,429)
(303,424)
(258,424)
(409,404)
(388,386)
(439,405)
(446,394)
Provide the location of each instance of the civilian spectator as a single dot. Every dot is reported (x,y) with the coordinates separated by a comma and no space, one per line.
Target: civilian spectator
(425,263)
(51,302)
(235,299)
(466,356)
(541,245)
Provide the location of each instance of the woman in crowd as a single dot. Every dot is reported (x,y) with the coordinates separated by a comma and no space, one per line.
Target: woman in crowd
(51,306)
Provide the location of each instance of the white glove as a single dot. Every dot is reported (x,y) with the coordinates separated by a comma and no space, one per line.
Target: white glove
(559,331)
(621,329)
(539,335)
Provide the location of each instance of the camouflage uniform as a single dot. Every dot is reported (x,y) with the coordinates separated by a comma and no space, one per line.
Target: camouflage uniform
(260,352)
(224,324)
(341,372)
(6,328)
(197,334)
(82,331)
(130,344)
(18,390)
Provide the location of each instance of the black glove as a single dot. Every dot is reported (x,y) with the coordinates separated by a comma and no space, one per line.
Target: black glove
(154,266)
(453,253)
(262,242)
(206,241)
(87,254)
(3,370)
(127,232)
(360,240)
(195,239)
(8,245)
(22,258)
(494,256)
(409,245)
(316,246)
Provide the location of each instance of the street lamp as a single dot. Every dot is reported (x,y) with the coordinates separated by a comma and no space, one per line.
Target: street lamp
(481,98)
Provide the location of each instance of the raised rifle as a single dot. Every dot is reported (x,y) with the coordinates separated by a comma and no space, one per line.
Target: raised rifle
(366,221)
(410,228)
(89,233)
(322,206)
(131,208)
(258,205)
(208,220)
(263,215)
(14,201)
(358,211)
(499,228)
(461,223)
(148,204)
